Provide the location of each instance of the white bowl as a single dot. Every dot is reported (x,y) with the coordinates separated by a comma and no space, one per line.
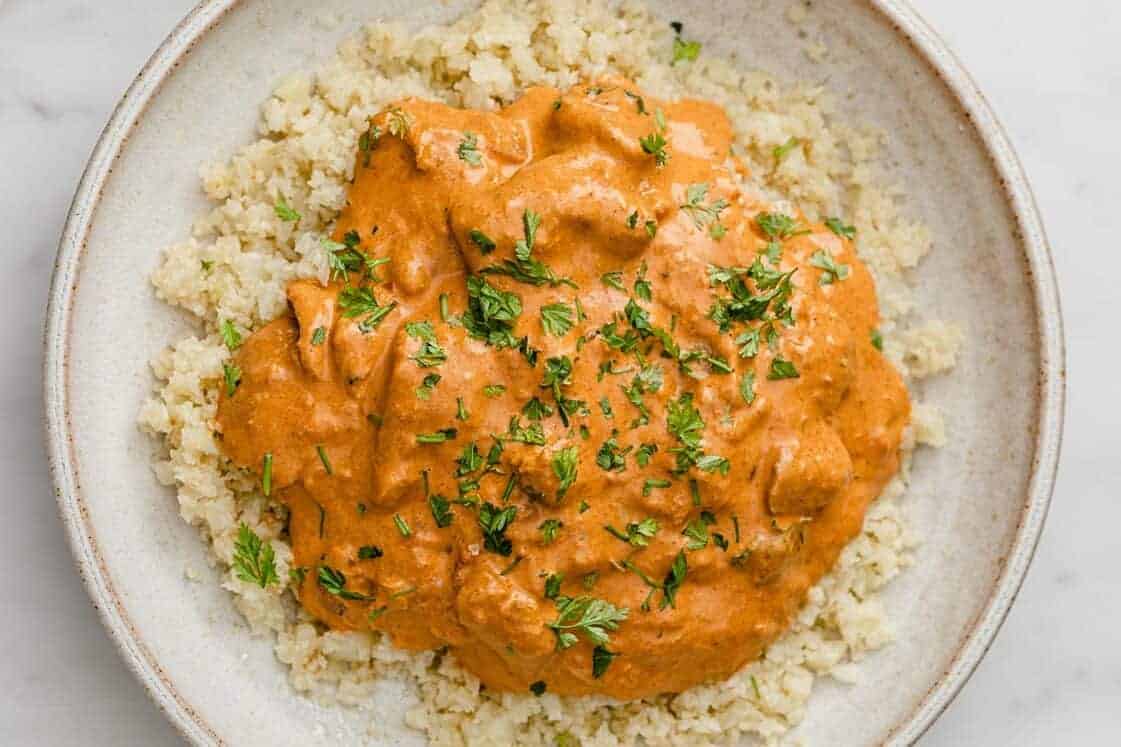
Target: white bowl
(979,503)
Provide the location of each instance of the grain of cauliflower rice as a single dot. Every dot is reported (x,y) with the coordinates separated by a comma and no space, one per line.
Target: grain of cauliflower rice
(245,250)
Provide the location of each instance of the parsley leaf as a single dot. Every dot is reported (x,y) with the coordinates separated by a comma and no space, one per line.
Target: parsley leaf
(232,376)
(685,50)
(830,270)
(837,226)
(491,313)
(704,216)
(565,463)
(776,225)
(601,660)
(610,457)
(230,335)
(485,243)
(673,581)
(747,387)
(254,561)
(333,581)
(494,522)
(594,618)
(638,533)
(654,144)
(877,339)
(402,525)
(356,302)
(437,437)
(557,319)
(441,510)
(782,369)
(284,212)
(781,151)
(468,149)
(549,529)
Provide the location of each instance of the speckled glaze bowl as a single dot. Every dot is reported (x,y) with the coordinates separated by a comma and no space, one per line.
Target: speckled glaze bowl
(979,504)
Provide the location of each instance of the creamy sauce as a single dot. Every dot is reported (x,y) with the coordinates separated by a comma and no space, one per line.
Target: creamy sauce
(350,401)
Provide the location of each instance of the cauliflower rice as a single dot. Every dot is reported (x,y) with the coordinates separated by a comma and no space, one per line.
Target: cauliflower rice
(241,255)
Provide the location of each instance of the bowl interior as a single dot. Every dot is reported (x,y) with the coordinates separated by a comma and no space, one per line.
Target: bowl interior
(967,500)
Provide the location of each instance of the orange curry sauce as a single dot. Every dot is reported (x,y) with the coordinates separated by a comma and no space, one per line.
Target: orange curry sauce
(599,421)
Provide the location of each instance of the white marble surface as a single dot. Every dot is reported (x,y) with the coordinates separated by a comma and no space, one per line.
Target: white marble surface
(1053,72)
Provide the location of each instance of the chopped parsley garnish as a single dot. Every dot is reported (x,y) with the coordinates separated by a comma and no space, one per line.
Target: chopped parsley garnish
(534,434)
(232,376)
(776,225)
(610,457)
(366,142)
(782,369)
(494,390)
(318,336)
(837,226)
(685,50)
(549,529)
(485,243)
(781,151)
(322,452)
(605,407)
(639,103)
(697,532)
(535,409)
(557,319)
(650,484)
(468,149)
(402,525)
(284,212)
(266,474)
(254,561)
(877,339)
(427,385)
(491,313)
(369,552)
(674,579)
(524,268)
(591,617)
(553,585)
(437,437)
(230,335)
(654,144)
(642,288)
(601,660)
(441,510)
(644,454)
(565,462)
(747,387)
(461,409)
(684,422)
(333,582)
(613,279)
(704,216)
(429,355)
(638,534)
(360,302)
(398,122)
(494,523)
(769,304)
(830,270)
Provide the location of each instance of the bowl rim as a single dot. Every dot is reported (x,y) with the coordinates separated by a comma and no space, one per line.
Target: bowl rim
(912,30)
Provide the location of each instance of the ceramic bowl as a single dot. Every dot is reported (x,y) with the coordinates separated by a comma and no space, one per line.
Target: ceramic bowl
(979,504)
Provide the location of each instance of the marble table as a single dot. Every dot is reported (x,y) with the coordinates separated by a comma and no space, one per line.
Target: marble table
(1053,72)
